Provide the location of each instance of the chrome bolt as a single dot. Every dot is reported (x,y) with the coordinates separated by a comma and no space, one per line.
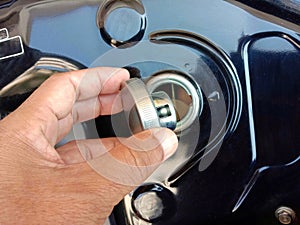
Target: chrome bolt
(285,215)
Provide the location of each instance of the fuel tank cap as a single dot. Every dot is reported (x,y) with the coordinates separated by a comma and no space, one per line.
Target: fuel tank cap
(144,110)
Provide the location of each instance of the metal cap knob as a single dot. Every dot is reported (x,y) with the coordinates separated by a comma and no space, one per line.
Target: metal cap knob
(144,110)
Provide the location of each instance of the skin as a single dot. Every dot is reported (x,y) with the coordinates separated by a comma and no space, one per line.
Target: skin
(43,185)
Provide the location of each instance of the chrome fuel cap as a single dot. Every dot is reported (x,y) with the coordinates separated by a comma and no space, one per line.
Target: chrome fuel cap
(144,110)
(189,87)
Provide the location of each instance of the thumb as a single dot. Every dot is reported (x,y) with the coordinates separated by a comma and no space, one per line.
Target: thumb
(123,161)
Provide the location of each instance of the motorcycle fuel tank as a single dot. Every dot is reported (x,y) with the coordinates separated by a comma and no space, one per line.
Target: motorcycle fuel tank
(231,69)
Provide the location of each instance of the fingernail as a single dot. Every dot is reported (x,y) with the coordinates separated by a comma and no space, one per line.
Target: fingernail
(168,141)
(122,71)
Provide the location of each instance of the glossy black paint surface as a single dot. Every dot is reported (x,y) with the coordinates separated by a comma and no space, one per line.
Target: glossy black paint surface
(258,162)
(287,10)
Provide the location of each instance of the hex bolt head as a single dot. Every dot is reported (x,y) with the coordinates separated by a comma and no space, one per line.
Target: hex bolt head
(285,215)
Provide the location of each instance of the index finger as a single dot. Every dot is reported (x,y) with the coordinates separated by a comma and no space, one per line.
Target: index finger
(59,93)
(90,83)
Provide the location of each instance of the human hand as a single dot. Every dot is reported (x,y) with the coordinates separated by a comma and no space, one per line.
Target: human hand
(74,184)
